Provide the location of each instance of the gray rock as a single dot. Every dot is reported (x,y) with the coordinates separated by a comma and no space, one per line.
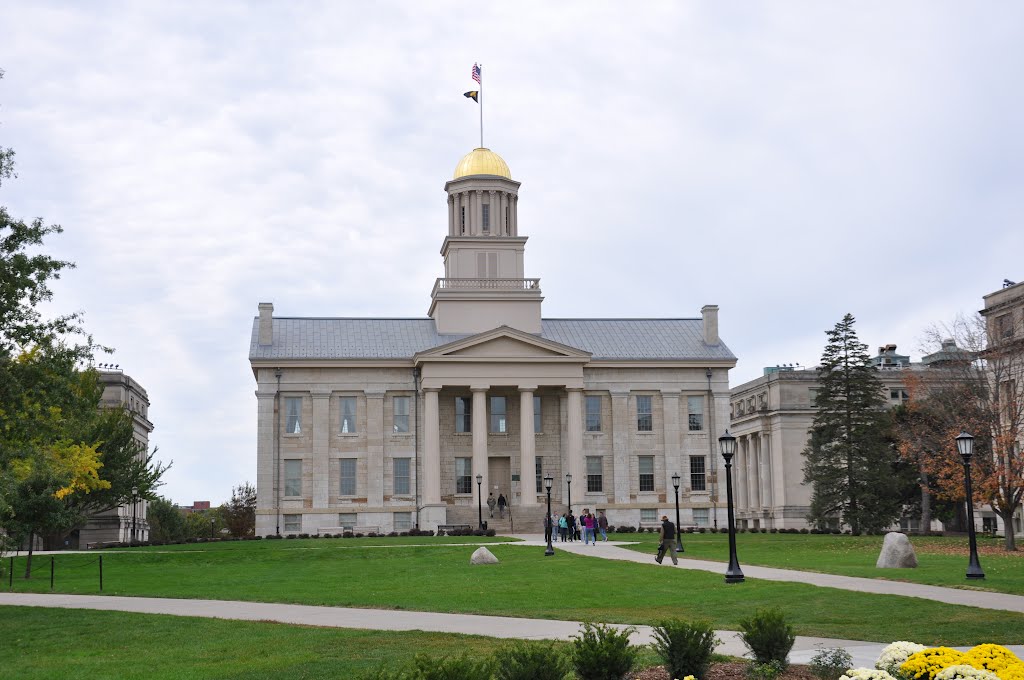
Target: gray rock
(897,553)
(483,556)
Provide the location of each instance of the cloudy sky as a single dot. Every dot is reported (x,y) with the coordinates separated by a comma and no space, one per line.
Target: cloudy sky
(789,162)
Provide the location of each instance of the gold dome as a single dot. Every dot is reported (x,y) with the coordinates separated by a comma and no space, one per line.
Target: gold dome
(482,162)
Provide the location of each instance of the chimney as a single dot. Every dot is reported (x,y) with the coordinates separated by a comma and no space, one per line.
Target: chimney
(266,323)
(710,314)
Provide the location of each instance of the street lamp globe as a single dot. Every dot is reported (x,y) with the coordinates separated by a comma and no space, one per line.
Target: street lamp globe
(965,445)
(549,481)
(675,480)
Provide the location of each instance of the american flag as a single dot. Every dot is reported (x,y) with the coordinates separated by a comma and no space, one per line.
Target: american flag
(476,73)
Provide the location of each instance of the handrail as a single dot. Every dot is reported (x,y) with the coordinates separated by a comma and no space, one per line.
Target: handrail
(503,284)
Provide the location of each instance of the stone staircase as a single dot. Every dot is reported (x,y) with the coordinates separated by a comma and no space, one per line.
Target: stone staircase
(519,520)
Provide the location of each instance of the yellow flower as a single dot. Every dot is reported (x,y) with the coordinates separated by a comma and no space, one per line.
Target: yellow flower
(1013,671)
(991,657)
(926,664)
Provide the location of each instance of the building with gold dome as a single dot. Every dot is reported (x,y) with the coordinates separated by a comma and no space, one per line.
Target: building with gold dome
(383,424)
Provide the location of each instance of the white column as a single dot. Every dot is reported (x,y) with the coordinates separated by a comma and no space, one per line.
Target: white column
(478,212)
(458,214)
(491,207)
(527,449)
(320,458)
(748,450)
(574,437)
(764,470)
(479,425)
(431,449)
(265,478)
(502,204)
(620,445)
(375,449)
(739,477)
(513,215)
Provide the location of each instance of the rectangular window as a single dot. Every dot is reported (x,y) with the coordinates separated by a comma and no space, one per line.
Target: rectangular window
(539,470)
(1004,326)
(538,422)
(646,466)
(697,477)
(401,414)
(401,475)
(593,414)
(487,265)
(648,515)
(348,415)
(644,414)
(347,520)
(293,478)
(701,517)
(486,218)
(695,409)
(463,414)
(293,407)
(348,477)
(812,395)
(462,220)
(293,522)
(403,521)
(595,475)
(463,475)
(499,424)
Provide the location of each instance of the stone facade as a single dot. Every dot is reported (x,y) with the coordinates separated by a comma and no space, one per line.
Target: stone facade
(384,424)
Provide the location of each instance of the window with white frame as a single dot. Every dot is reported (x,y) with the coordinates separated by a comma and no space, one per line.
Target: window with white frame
(646,467)
(293,477)
(593,403)
(595,474)
(695,411)
(698,480)
(463,414)
(348,477)
(348,415)
(348,520)
(648,515)
(538,422)
(293,522)
(463,475)
(499,423)
(400,416)
(701,517)
(401,469)
(644,413)
(538,467)
(293,411)
(402,521)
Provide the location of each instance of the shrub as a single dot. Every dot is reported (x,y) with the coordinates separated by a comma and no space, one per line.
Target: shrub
(479,532)
(765,671)
(394,534)
(767,635)
(303,535)
(701,529)
(406,533)
(686,648)
(831,664)
(490,532)
(804,530)
(531,661)
(600,652)
(452,668)
(347,534)
(372,534)
(359,534)
(289,536)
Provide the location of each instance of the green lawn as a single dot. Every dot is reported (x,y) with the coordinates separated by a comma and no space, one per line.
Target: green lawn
(942,560)
(354,573)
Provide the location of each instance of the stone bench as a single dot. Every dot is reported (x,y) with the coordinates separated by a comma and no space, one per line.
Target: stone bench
(354,530)
(453,527)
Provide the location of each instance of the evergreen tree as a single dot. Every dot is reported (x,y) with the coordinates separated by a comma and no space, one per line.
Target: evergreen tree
(240,512)
(850,459)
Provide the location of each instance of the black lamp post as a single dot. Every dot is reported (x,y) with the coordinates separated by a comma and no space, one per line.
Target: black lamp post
(727,444)
(568,486)
(965,445)
(679,532)
(479,501)
(135,503)
(548,482)
(212,523)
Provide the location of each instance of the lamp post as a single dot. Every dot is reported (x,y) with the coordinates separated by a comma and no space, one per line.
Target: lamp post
(568,486)
(135,502)
(965,445)
(479,501)
(727,444)
(679,531)
(548,482)
(212,522)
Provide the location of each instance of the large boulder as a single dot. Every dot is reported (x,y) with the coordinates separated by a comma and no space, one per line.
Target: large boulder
(483,556)
(897,553)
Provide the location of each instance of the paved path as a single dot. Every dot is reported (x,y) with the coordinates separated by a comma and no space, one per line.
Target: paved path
(970,598)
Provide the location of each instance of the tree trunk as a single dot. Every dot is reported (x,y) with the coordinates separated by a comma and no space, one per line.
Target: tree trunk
(28,561)
(1011,540)
(926,504)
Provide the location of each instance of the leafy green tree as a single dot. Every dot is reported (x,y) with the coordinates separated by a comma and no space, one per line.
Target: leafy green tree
(850,459)
(240,512)
(166,522)
(204,524)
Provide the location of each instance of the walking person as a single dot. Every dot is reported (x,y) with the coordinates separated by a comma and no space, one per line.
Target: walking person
(571,521)
(502,504)
(667,533)
(563,527)
(547,528)
(589,527)
(602,524)
(490,504)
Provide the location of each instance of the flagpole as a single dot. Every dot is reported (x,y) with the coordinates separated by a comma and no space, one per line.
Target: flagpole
(481,106)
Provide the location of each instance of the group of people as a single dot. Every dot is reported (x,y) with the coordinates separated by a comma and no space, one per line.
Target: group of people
(572,528)
(501,504)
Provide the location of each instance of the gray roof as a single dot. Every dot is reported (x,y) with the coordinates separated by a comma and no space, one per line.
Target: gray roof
(341,338)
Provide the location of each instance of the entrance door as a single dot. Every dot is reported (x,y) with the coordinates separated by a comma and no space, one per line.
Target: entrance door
(499,475)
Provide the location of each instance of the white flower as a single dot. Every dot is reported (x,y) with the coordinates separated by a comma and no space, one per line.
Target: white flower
(965,672)
(866,674)
(894,655)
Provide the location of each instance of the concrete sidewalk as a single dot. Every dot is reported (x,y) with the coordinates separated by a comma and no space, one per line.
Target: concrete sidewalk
(969,598)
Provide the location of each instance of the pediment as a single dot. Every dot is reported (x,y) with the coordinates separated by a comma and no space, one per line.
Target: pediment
(505,343)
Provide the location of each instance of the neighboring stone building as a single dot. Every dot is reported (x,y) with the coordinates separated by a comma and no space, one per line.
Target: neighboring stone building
(387,424)
(127,521)
(771,418)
